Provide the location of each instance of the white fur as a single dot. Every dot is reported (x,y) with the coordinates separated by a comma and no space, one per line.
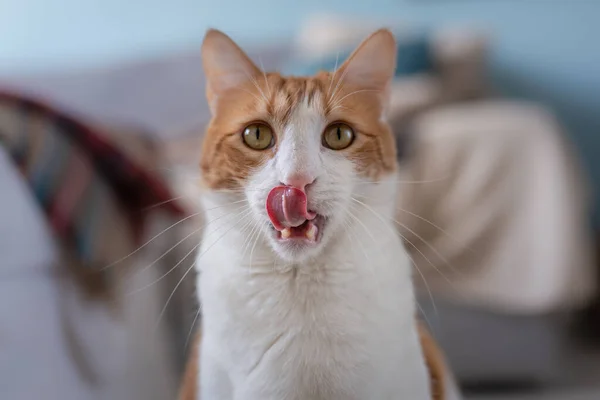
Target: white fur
(333,322)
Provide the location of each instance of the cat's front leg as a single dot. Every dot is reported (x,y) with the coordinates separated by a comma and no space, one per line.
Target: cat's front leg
(214,380)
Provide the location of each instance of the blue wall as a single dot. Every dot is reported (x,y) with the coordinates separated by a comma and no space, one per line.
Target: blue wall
(544,49)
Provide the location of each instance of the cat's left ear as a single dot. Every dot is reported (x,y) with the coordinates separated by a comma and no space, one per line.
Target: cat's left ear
(372,65)
(226,66)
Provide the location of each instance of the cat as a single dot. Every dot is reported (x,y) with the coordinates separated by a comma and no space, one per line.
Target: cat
(305,285)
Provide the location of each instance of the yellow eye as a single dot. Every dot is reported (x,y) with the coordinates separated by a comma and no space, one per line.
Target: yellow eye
(338,136)
(258,136)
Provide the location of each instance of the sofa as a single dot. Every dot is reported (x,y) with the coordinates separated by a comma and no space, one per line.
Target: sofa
(505,317)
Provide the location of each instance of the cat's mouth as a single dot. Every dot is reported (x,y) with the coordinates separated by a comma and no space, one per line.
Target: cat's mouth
(287,208)
(309,231)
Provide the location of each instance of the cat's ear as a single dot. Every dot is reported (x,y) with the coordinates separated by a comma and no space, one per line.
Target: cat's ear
(371,66)
(225,65)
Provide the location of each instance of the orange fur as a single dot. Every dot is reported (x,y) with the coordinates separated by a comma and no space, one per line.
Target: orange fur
(435,363)
(189,384)
(271,98)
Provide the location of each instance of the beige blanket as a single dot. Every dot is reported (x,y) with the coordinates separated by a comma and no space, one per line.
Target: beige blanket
(497,216)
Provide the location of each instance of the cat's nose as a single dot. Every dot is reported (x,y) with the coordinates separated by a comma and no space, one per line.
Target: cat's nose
(298,181)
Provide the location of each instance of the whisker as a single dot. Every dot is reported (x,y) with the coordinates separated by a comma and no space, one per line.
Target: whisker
(153,206)
(413,263)
(395,232)
(252,94)
(435,226)
(238,191)
(364,226)
(189,335)
(150,241)
(430,293)
(254,235)
(188,271)
(244,208)
(332,78)
(262,68)
(362,182)
(351,235)
(165,230)
(446,233)
(184,257)
(428,261)
(166,273)
(255,83)
(339,84)
(437,253)
(422,312)
(253,246)
(338,102)
(338,107)
(247,242)
(248,226)
(414,233)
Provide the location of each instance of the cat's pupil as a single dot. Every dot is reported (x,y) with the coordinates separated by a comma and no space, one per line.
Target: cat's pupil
(257,132)
(339,133)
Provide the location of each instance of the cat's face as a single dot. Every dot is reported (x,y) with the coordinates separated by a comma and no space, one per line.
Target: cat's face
(298,150)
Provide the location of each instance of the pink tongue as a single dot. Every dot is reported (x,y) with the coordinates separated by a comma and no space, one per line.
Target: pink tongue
(287,207)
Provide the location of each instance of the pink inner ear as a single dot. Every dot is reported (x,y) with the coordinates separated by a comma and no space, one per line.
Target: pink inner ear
(373,63)
(287,207)
(225,63)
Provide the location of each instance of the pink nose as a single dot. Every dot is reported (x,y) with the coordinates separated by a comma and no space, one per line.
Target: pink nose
(299,181)
(287,206)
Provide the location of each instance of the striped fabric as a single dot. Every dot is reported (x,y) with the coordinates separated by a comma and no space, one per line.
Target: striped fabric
(93,195)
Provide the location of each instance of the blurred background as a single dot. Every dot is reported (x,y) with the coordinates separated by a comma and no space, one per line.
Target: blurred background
(496,110)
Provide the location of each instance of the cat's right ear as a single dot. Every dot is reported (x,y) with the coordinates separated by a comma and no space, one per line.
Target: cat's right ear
(226,66)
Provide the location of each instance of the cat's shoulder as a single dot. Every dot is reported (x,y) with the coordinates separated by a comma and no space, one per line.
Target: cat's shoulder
(191,375)
(440,377)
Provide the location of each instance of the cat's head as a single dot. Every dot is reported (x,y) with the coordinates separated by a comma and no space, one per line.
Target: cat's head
(299,150)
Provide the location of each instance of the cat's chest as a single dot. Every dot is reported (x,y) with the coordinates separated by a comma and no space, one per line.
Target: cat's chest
(259,300)
(344,328)
(345,304)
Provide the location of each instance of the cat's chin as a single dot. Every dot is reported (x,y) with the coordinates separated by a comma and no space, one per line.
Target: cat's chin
(302,242)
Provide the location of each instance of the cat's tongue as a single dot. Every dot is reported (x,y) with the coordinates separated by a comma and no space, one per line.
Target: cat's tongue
(287,207)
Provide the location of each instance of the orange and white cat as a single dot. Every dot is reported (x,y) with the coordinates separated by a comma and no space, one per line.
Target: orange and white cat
(304,283)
